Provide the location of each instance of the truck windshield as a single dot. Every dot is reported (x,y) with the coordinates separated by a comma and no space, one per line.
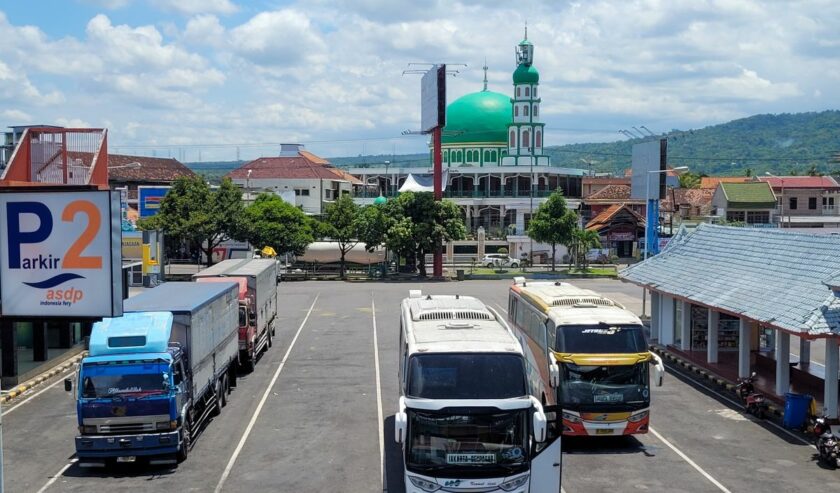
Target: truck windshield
(136,380)
(467,376)
(243,316)
(598,386)
(467,440)
(600,339)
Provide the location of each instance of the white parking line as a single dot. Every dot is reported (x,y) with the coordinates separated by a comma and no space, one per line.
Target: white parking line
(380,421)
(242,440)
(501,307)
(690,462)
(58,475)
(60,379)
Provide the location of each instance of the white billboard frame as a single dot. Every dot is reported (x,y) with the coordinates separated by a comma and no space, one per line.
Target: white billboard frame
(647,157)
(433,99)
(61,250)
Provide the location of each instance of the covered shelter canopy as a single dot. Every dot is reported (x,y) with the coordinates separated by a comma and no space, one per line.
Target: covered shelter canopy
(423,182)
(776,278)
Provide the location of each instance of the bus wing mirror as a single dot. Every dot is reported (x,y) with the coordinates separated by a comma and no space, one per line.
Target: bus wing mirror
(68,385)
(658,370)
(539,426)
(554,371)
(400,426)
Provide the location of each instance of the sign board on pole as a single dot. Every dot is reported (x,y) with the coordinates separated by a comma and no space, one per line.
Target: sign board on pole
(647,157)
(60,254)
(148,199)
(433,98)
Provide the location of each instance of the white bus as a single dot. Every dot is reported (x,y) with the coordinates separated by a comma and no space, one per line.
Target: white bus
(587,355)
(466,419)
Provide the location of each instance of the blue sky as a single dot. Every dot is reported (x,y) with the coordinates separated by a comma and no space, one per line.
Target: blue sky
(172,77)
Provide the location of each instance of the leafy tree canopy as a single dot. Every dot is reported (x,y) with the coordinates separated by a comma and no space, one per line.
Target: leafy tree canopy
(270,221)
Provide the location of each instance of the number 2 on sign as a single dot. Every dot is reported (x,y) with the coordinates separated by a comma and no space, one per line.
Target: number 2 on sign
(73,259)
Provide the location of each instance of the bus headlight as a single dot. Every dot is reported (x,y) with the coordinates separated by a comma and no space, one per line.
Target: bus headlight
(166,425)
(571,417)
(638,417)
(514,483)
(423,484)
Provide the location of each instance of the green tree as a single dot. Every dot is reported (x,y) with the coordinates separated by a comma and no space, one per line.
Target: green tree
(372,223)
(553,223)
(340,222)
(583,240)
(192,212)
(689,180)
(270,221)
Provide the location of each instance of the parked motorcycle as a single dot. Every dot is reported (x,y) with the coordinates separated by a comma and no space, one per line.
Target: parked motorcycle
(827,431)
(755,402)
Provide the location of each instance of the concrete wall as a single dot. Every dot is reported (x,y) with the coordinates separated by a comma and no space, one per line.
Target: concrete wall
(321,192)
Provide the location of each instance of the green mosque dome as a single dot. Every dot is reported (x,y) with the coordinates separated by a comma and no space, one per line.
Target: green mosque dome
(479,117)
(380,200)
(526,74)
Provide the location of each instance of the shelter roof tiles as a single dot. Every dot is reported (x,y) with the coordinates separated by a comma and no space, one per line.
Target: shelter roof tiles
(771,276)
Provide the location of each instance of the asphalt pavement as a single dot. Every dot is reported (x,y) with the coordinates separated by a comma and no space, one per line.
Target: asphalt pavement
(317,415)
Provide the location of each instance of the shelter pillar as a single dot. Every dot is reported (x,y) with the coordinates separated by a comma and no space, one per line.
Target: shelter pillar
(685,326)
(8,339)
(804,351)
(782,362)
(39,341)
(743,348)
(832,358)
(666,320)
(712,338)
(655,316)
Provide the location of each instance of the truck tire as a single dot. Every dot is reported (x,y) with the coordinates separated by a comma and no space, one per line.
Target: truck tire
(269,340)
(217,404)
(184,451)
(225,389)
(248,365)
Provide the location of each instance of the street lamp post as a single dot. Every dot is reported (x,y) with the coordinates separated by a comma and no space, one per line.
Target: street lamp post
(388,185)
(248,185)
(648,203)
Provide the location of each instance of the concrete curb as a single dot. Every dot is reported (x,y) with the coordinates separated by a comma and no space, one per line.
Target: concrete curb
(711,377)
(18,390)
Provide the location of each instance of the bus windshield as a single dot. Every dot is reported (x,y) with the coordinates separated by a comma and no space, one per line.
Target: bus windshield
(134,380)
(596,385)
(466,376)
(467,440)
(600,339)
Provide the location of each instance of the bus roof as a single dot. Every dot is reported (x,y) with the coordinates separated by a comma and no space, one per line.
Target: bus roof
(455,324)
(567,304)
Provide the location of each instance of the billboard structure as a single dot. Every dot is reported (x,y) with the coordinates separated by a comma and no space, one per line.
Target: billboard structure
(648,163)
(59,250)
(433,99)
(148,199)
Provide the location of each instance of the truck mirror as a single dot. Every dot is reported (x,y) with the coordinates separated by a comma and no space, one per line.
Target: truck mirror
(400,426)
(68,385)
(539,426)
(553,371)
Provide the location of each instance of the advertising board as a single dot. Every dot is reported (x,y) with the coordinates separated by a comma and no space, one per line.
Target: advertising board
(148,199)
(60,254)
(433,99)
(647,157)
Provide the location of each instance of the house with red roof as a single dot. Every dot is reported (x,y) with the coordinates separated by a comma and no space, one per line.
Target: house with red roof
(314,182)
(806,201)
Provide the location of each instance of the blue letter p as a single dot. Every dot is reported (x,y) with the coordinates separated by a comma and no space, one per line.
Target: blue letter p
(18,237)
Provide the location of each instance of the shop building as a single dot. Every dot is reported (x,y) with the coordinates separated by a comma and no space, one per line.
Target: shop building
(737,300)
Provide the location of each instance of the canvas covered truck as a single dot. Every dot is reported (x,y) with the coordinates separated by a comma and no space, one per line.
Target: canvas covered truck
(154,375)
(259,302)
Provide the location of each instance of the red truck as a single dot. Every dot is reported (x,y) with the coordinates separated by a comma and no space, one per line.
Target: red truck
(257,280)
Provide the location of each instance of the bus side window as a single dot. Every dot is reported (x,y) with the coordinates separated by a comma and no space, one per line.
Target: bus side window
(512,308)
(520,319)
(551,333)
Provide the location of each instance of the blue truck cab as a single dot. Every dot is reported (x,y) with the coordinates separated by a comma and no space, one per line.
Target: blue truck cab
(130,390)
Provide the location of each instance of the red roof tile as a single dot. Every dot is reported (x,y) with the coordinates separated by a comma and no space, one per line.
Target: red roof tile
(698,200)
(151,169)
(603,219)
(610,193)
(605,180)
(713,181)
(301,167)
(819,182)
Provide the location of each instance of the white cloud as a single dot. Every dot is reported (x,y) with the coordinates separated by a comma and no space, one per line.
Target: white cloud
(279,40)
(18,116)
(204,30)
(190,7)
(108,4)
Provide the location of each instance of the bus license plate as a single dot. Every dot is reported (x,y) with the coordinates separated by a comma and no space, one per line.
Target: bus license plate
(609,398)
(604,431)
(127,458)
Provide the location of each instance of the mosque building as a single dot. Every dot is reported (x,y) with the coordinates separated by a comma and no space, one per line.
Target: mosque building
(492,150)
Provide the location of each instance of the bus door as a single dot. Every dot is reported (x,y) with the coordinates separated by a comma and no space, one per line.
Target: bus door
(546,464)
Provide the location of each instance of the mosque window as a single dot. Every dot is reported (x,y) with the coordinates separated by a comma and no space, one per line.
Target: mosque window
(515,110)
(518,91)
(512,138)
(445,156)
(487,156)
(527,92)
(493,157)
(538,137)
(535,93)
(536,110)
(525,110)
(526,139)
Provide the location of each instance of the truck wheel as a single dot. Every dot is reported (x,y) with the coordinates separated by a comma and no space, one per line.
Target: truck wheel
(269,340)
(248,365)
(184,451)
(225,390)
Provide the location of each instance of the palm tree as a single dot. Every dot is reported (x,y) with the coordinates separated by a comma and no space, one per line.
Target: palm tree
(583,240)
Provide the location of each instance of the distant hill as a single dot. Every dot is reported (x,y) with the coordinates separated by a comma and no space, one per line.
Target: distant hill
(785,143)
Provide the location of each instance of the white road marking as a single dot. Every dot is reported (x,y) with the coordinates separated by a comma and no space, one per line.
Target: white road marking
(501,307)
(741,406)
(690,462)
(251,423)
(381,421)
(60,379)
(54,478)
